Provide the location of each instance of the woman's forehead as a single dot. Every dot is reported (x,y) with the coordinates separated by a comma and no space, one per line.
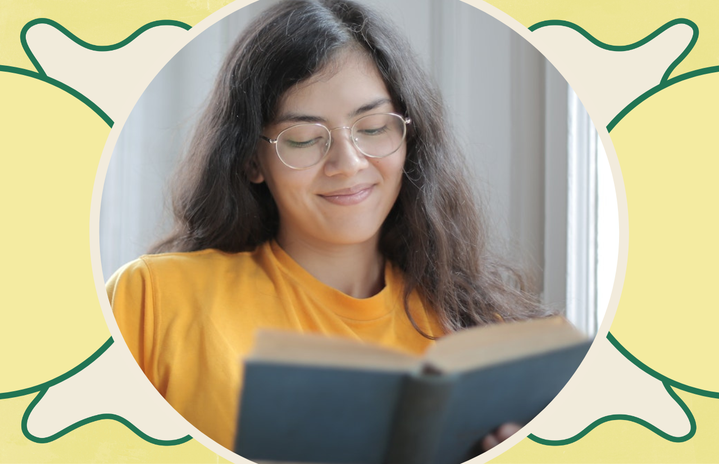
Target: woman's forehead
(349,82)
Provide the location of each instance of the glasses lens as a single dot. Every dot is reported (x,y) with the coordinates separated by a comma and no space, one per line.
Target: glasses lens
(379,135)
(303,145)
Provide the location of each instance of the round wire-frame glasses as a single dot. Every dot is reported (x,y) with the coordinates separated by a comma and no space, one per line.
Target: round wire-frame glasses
(303,145)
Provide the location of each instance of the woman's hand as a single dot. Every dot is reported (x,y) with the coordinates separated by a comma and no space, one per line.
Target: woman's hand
(503,432)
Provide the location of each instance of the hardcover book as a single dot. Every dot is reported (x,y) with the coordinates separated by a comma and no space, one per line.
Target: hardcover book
(311,398)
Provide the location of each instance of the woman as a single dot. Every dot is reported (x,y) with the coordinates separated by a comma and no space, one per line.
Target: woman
(321,193)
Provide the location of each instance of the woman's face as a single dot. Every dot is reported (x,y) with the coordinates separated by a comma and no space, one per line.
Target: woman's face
(345,198)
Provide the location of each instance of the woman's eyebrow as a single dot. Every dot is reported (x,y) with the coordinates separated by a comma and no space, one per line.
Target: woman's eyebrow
(370,106)
(297,117)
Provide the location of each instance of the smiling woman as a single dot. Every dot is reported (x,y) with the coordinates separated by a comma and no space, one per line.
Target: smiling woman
(321,193)
(337,205)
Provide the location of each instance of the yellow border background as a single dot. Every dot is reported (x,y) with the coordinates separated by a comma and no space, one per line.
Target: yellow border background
(40,228)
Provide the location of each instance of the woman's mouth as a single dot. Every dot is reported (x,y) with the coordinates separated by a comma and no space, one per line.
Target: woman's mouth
(349,196)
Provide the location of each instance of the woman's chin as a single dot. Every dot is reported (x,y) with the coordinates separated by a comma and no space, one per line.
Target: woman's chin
(351,235)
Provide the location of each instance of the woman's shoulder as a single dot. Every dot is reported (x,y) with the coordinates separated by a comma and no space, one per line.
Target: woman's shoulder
(188,267)
(194,260)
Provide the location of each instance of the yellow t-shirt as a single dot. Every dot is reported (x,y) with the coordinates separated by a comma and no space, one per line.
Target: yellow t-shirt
(190,318)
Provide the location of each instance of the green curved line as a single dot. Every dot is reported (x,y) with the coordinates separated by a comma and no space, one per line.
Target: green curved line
(687,49)
(40,74)
(653,90)
(82,43)
(44,387)
(60,378)
(628,418)
(664,82)
(653,373)
(64,87)
(632,46)
(89,420)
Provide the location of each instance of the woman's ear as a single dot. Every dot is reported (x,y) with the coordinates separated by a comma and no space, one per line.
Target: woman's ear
(255,173)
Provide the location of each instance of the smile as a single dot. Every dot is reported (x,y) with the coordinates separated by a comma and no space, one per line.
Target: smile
(348,197)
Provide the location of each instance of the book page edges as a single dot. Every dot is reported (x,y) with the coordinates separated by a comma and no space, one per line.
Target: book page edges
(498,343)
(282,347)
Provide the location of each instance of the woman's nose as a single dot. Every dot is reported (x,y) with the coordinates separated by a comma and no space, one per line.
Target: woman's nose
(344,158)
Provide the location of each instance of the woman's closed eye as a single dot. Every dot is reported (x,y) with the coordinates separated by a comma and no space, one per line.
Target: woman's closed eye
(372,131)
(303,143)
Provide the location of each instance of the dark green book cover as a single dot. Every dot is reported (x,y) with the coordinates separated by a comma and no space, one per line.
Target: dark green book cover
(334,414)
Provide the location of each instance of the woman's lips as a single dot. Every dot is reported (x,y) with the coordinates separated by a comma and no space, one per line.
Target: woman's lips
(350,196)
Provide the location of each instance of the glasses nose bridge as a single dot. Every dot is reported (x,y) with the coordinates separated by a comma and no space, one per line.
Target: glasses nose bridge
(338,128)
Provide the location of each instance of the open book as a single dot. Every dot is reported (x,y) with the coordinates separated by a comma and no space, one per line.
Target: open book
(310,398)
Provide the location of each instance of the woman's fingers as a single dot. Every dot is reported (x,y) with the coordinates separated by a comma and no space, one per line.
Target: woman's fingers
(503,432)
(489,442)
(507,430)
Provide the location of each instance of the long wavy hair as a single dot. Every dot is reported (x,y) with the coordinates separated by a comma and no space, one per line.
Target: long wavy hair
(434,233)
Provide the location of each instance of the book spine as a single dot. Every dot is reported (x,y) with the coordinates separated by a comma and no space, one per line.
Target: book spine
(419,419)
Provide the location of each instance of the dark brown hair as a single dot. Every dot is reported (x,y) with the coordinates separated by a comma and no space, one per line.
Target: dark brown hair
(434,232)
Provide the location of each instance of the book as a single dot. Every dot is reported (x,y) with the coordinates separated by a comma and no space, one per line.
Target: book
(311,398)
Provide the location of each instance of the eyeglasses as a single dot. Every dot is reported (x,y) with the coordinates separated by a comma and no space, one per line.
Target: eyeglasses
(304,145)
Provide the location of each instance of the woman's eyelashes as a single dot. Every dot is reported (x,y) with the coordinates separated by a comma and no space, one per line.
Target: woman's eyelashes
(304,143)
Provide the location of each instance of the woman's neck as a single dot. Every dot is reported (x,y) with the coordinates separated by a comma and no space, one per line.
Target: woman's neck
(356,270)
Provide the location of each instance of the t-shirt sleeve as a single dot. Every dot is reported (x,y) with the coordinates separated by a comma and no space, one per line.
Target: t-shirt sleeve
(132,298)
